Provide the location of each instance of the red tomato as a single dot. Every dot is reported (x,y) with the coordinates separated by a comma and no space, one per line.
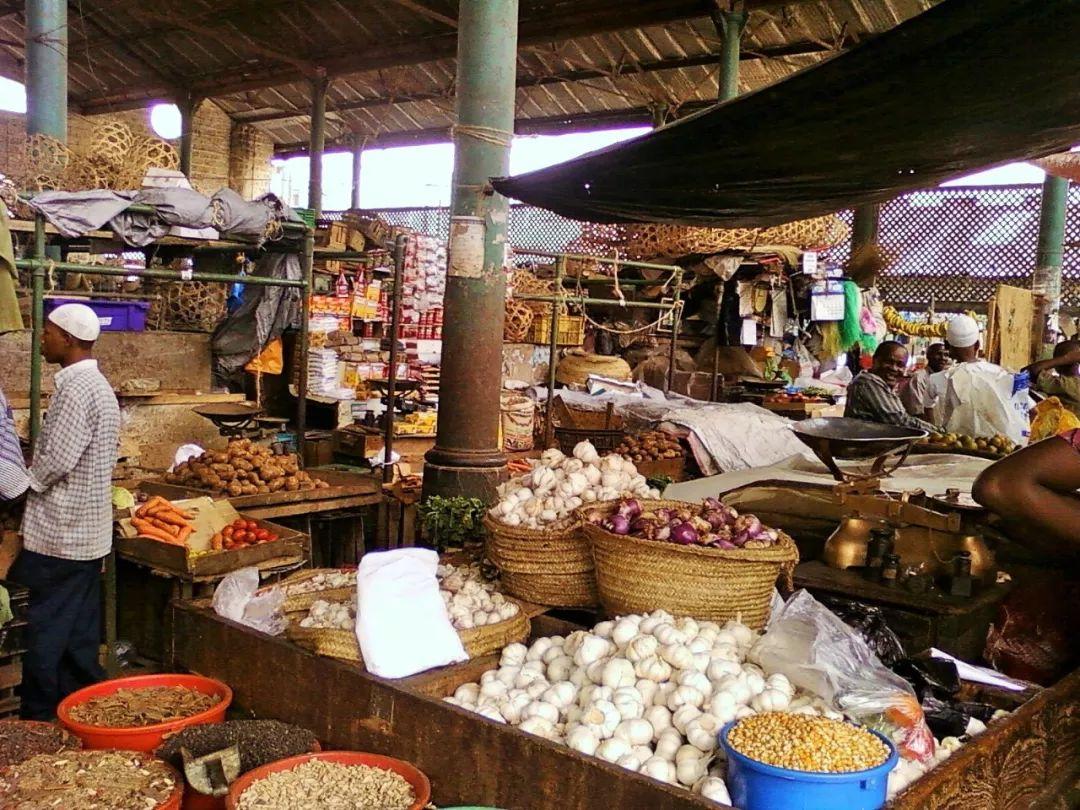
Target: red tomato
(251,526)
(240,536)
(263,536)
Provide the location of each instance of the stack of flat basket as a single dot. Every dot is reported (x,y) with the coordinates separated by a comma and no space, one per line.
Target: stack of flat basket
(635,575)
(551,567)
(342,643)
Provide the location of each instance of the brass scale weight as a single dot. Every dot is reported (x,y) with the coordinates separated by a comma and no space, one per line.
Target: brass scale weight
(924,537)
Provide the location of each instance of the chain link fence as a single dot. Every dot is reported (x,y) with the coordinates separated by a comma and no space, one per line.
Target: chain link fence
(948,246)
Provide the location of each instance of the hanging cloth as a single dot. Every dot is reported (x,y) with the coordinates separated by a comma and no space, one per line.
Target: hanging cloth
(10,316)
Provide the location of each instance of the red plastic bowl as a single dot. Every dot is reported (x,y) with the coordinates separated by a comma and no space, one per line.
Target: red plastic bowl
(193,800)
(420,784)
(142,738)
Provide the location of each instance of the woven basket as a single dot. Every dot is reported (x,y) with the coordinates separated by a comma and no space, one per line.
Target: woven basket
(553,567)
(478,641)
(303,601)
(638,576)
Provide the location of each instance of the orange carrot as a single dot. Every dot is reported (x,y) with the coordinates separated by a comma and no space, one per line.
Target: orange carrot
(182,536)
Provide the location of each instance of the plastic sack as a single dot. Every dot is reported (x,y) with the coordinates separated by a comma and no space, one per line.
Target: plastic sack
(184,453)
(270,361)
(235,598)
(871,624)
(981,400)
(817,652)
(401,621)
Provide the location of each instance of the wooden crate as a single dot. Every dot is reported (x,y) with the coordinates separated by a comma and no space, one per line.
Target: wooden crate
(342,485)
(333,236)
(571,330)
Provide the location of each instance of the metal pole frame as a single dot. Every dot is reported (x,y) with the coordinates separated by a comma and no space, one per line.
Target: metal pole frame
(317,143)
(391,373)
(731,23)
(47,68)
(307,263)
(553,350)
(357,157)
(1046,283)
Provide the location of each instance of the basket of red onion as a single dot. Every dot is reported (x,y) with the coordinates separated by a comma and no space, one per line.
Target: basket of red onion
(705,561)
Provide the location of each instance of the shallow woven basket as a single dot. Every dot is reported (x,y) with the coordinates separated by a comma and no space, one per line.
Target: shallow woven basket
(303,601)
(634,575)
(552,567)
(478,641)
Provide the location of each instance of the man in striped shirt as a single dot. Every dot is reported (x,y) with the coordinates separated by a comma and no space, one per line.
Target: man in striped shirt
(67,525)
(872,395)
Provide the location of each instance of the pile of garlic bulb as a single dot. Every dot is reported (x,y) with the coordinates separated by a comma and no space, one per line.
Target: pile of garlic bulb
(649,693)
(331,615)
(323,581)
(559,484)
(470,601)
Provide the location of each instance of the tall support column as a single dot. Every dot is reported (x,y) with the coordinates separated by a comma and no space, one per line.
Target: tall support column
(357,156)
(864,228)
(730,23)
(1046,283)
(187,104)
(47,68)
(466,459)
(317,142)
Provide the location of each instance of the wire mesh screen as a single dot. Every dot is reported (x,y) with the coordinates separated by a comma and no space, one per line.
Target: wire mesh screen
(950,245)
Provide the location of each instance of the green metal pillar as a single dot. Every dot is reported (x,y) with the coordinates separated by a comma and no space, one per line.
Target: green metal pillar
(37,326)
(357,157)
(187,104)
(47,68)
(466,459)
(317,142)
(1046,283)
(730,23)
(864,228)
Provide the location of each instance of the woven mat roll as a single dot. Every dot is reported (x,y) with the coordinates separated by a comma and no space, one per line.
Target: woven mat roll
(634,575)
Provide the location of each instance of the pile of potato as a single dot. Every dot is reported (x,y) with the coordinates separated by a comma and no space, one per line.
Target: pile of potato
(244,468)
(652,445)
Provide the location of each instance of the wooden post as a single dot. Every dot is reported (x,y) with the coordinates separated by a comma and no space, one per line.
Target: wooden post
(317,142)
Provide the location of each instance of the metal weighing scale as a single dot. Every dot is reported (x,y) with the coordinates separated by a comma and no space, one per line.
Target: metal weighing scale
(232,419)
(929,532)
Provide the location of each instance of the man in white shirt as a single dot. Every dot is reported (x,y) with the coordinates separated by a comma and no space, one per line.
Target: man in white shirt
(918,396)
(975,396)
(67,525)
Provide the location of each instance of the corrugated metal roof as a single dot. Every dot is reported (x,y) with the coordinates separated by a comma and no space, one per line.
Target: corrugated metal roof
(392,67)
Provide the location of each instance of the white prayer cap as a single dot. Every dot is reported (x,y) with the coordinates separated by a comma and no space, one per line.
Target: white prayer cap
(962,332)
(78,320)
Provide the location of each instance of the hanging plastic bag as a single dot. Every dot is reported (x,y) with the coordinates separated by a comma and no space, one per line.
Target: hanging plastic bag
(235,598)
(817,652)
(982,400)
(270,361)
(401,621)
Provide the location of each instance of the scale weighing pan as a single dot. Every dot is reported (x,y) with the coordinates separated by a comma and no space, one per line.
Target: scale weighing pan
(840,437)
(230,418)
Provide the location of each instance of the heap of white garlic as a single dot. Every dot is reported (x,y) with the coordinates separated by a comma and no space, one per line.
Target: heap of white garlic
(331,615)
(470,601)
(557,485)
(324,580)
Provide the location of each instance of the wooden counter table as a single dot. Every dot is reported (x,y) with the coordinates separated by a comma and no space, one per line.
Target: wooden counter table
(1027,760)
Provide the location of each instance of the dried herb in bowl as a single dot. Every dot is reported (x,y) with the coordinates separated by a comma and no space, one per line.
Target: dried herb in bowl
(22,739)
(329,786)
(144,706)
(259,741)
(87,780)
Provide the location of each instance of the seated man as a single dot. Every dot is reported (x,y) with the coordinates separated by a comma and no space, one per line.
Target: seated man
(918,396)
(1034,492)
(872,395)
(1060,376)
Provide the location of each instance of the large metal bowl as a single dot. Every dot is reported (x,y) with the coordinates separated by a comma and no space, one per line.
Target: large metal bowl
(838,437)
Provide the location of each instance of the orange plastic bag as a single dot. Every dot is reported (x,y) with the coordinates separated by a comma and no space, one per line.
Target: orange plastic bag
(1051,418)
(270,361)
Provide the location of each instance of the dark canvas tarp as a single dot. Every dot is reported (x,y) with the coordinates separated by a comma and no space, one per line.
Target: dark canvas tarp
(965,85)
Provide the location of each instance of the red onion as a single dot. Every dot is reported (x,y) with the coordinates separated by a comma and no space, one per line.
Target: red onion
(643,527)
(713,503)
(716,518)
(663,533)
(724,544)
(617,524)
(630,508)
(748,524)
(684,534)
(663,514)
(683,514)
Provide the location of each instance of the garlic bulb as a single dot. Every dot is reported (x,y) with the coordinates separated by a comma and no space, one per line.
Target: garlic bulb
(647,690)
(628,701)
(618,672)
(685,696)
(723,706)
(513,707)
(698,680)
(770,700)
(540,708)
(653,669)
(714,788)
(612,750)
(641,647)
(701,733)
(539,726)
(630,761)
(720,668)
(583,739)
(682,717)
(690,770)
(659,717)
(624,631)
(592,648)
(513,655)
(560,668)
(602,717)
(678,655)
(659,768)
(635,732)
(668,744)
(467,693)
(560,695)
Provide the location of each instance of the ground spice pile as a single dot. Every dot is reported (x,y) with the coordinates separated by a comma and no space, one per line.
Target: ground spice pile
(87,780)
(321,785)
(259,741)
(20,740)
(145,706)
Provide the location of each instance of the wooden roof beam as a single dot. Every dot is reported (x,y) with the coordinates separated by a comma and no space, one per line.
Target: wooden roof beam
(582,74)
(549,125)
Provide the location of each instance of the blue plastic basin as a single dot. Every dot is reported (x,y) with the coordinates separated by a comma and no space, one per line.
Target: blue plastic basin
(756,786)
